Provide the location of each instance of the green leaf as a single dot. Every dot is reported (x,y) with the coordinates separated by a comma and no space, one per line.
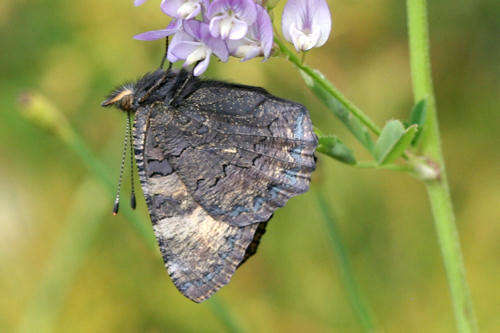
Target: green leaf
(332,146)
(392,132)
(393,141)
(402,144)
(353,124)
(417,117)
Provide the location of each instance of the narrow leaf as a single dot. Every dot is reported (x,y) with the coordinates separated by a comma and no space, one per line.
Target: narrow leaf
(400,146)
(417,117)
(391,134)
(333,147)
(353,124)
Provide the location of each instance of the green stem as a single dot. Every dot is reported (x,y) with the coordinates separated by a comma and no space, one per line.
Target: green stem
(328,86)
(375,165)
(358,304)
(438,190)
(303,59)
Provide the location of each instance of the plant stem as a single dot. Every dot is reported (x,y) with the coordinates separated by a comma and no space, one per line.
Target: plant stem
(358,304)
(328,86)
(375,165)
(438,190)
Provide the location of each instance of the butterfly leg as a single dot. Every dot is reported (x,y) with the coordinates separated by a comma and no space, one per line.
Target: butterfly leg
(179,91)
(165,56)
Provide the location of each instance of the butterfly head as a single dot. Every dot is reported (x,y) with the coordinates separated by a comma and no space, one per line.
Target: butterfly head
(158,85)
(123,98)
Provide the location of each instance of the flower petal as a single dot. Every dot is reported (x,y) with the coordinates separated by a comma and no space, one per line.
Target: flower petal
(183,49)
(139,2)
(258,40)
(178,43)
(200,53)
(218,47)
(201,67)
(265,30)
(170,7)
(215,26)
(189,10)
(231,18)
(323,19)
(245,10)
(233,45)
(217,7)
(252,52)
(239,30)
(303,41)
(289,17)
(306,23)
(171,29)
(193,28)
(247,52)
(154,34)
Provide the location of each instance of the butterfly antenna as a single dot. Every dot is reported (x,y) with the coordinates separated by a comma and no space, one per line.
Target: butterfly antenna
(132,195)
(116,206)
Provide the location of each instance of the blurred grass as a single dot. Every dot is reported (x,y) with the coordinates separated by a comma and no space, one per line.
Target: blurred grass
(76,52)
(358,304)
(69,253)
(223,313)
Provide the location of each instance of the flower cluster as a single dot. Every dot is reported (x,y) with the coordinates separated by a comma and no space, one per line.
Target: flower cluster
(238,28)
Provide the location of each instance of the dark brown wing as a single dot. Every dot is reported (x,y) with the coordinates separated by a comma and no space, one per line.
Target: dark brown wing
(212,168)
(252,248)
(200,253)
(240,151)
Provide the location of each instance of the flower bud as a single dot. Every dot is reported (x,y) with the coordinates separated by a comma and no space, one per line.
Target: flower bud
(306,23)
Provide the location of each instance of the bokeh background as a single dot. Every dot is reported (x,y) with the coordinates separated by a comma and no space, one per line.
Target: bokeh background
(66,264)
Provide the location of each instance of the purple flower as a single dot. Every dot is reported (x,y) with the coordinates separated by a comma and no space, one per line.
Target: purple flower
(139,2)
(194,44)
(258,40)
(183,9)
(171,29)
(306,23)
(230,19)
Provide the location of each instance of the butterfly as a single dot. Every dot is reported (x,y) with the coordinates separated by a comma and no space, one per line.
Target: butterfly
(215,160)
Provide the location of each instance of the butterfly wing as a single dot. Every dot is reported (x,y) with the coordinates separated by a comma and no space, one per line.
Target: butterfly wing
(240,151)
(213,167)
(200,253)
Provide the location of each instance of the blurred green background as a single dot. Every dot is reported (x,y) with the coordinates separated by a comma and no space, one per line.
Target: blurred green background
(67,265)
